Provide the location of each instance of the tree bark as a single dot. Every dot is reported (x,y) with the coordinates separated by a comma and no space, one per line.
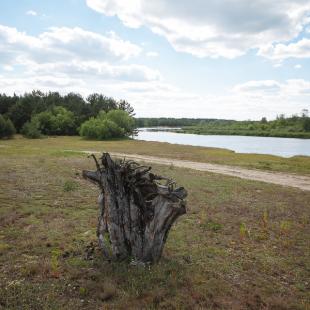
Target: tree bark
(136,211)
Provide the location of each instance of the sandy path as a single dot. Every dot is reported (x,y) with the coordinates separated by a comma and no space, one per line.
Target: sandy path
(301,182)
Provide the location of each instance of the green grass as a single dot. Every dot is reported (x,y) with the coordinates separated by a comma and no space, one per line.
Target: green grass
(70,185)
(241,245)
(56,146)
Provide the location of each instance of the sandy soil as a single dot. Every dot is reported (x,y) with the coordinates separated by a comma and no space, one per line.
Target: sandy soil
(279,178)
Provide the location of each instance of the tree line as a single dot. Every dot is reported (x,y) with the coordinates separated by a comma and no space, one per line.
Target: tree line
(297,126)
(170,121)
(37,113)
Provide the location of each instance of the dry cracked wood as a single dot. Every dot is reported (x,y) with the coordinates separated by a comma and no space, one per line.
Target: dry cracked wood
(136,209)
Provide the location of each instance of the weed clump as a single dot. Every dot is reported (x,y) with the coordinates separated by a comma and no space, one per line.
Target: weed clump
(70,186)
(212,226)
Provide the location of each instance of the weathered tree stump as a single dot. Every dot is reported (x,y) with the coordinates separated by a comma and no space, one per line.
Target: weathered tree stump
(136,211)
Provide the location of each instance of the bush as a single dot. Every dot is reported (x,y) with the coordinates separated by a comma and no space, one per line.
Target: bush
(100,129)
(31,130)
(114,124)
(70,186)
(7,129)
(123,120)
(58,121)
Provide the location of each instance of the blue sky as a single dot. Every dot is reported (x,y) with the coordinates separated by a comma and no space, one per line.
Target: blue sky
(234,59)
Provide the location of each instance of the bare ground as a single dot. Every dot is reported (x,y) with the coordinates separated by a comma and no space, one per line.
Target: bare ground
(279,178)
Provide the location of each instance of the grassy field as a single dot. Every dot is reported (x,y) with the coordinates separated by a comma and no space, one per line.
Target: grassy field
(296,164)
(241,245)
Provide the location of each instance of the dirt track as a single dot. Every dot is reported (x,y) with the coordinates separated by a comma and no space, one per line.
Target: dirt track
(301,182)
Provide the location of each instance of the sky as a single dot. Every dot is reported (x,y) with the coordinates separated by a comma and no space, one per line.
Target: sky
(232,59)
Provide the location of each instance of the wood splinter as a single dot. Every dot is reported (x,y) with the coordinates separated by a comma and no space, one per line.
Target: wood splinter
(136,209)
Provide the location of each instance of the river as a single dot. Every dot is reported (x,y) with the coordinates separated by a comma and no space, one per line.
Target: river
(286,147)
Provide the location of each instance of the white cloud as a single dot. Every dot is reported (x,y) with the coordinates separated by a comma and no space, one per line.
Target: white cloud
(212,28)
(46,83)
(279,52)
(271,88)
(254,87)
(59,44)
(72,51)
(101,70)
(277,64)
(70,58)
(152,54)
(298,66)
(8,68)
(73,59)
(32,13)
(250,100)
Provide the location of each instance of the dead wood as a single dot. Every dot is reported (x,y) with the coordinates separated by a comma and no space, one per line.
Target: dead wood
(136,209)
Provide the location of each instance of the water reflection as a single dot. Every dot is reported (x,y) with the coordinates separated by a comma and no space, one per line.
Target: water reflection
(285,147)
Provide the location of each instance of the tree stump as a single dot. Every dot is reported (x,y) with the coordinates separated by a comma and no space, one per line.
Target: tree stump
(136,209)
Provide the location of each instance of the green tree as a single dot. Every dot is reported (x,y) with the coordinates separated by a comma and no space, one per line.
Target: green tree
(264,120)
(123,120)
(57,121)
(53,99)
(99,102)
(31,130)
(63,122)
(76,104)
(6,102)
(125,106)
(7,129)
(306,124)
(25,107)
(21,109)
(100,129)
(114,124)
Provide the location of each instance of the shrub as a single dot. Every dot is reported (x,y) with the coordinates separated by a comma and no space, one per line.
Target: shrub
(70,186)
(100,129)
(114,124)
(123,120)
(31,130)
(58,121)
(7,129)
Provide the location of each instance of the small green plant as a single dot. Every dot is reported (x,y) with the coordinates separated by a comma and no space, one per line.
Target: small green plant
(77,262)
(264,165)
(244,231)
(82,291)
(55,253)
(3,247)
(70,186)
(285,227)
(265,219)
(212,226)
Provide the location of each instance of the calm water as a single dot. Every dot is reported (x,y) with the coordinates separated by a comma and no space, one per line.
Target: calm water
(242,144)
